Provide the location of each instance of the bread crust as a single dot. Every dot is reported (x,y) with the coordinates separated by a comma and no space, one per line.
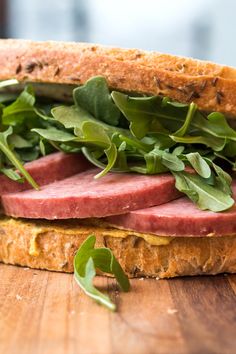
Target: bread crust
(210,85)
(52,245)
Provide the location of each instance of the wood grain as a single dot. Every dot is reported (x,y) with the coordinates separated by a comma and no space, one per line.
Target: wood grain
(45,313)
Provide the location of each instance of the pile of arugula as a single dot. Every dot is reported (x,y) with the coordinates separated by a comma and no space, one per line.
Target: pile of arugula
(121,133)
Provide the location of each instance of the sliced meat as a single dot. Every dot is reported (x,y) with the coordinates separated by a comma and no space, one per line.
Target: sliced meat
(178,218)
(45,170)
(82,196)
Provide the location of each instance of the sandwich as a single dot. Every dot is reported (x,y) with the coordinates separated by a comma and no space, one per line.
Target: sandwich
(137,148)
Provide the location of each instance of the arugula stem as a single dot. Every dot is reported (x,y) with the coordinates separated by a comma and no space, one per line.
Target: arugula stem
(135,143)
(8,83)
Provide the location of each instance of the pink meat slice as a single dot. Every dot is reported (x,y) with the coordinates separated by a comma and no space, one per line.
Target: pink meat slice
(45,170)
(178,218)
(82,196)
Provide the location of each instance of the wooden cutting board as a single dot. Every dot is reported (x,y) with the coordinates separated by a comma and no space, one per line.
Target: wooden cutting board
(45,313)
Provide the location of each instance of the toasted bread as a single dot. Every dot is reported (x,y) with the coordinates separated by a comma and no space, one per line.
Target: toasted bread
(52,246)
(210,85)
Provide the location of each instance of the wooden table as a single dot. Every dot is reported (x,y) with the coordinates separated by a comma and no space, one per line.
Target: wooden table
(45,313)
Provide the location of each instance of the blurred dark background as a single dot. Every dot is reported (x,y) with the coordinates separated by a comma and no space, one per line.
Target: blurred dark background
(204,29)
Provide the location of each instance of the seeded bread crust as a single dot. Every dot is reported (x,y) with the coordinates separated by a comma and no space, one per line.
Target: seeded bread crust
(210,85)
(52,245)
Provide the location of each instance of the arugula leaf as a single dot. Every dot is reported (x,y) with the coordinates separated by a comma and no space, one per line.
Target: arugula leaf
(199,164)
(111,153)
(163,140)
(150,114)
(4,147)
(219,126)
(93,133)
(90,132)
(134,109)
(13,175)
(75,117)
(20,109)
(86,260)
(217,144)
(191,111)
(201,193)
(19,142)
(223,180)
(178,150)
(158,161)
(54,134)
(28,155)
(172,162)
(71,117)
(229,148)
(94,97)
(42,147)
(154,163)
(143,112)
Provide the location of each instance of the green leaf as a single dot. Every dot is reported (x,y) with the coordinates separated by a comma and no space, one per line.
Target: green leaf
(13,175)
(142,112)
(163,140)
(178,150)
(158,161)
(204,195)
(42,147)
(94,97)
(40,112)
(93,133)
(71,117)
(20,109)
(75,117)
(223,180)
(172,162)
(54,134)
(135,144)
(28,155)
(217,144)
(86,260)
(93,156)
(199,164)
(135,110)
(154,163)
(19,142)
(90,132)
(230,149)
(191,111)
(4,147)
(111,154)
(219,126)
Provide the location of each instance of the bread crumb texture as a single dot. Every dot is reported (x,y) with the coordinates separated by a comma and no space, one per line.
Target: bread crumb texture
(52,246)
(210,85)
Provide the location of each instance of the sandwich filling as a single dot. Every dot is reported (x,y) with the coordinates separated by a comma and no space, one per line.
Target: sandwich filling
(122,157)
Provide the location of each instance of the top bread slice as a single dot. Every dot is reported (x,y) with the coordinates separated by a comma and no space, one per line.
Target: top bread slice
(210,85)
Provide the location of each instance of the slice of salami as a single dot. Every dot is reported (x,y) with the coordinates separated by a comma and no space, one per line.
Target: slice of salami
(82,196)
(48,169)
(179,218)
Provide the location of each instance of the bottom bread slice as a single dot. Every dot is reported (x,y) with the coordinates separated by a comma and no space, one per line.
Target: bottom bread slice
(52,245)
